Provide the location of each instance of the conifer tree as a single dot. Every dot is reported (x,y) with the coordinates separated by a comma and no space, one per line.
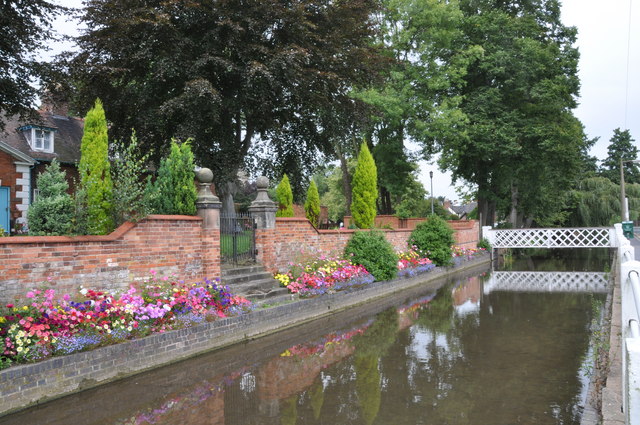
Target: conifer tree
(174,189)
(312,204)
(364,189)
(129,164)
(285,198)
(52,211)
(95,175)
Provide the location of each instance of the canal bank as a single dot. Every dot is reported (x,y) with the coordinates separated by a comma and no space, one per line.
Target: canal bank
(27,385)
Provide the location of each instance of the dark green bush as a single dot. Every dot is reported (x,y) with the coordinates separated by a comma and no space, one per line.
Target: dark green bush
(372,250)
(484,243)
(52,211)
(433,239)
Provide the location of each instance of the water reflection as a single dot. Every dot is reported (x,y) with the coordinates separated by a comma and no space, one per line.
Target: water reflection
(462,356)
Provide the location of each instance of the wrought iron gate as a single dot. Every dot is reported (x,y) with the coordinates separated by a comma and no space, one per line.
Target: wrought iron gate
(237,239)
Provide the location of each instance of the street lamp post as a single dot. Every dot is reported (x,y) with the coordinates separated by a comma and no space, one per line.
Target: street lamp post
(431,177)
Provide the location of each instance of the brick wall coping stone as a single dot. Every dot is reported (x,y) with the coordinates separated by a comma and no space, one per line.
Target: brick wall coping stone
(23,386)
(115,235)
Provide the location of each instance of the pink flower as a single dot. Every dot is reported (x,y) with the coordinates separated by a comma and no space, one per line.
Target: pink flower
(30,294)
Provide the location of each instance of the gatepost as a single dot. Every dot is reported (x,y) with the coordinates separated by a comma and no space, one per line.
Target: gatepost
(208,208)
(263,210)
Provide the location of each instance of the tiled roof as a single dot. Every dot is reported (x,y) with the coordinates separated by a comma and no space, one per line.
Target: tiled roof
(68,136)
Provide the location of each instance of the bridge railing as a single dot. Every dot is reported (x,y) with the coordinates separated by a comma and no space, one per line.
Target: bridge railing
(575,237)
(630,326)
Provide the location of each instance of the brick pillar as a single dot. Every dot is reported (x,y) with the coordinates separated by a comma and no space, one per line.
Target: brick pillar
(208,206)
(264,210)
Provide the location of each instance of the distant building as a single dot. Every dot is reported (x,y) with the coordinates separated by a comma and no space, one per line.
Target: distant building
(26,147)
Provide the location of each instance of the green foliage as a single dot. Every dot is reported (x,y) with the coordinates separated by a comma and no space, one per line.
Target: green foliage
(25,28)
(127,169)
(484,243)
(223,72)
(52,212)
(312,204)
(285,198)
(519,141)
(364,189)
(621,147)
(433,238)
(95,176)
(174,190)
(596,202)
(372,250)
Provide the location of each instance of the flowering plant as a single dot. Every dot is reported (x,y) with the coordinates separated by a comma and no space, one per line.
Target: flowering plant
(49,325)
(323,274)
(411,263)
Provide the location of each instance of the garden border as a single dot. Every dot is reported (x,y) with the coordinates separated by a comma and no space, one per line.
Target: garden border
(23,386)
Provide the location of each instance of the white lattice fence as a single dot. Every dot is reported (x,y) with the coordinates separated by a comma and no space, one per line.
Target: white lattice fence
(547,282)
(579,237)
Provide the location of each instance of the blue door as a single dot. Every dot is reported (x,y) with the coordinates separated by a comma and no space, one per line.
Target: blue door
(4,209)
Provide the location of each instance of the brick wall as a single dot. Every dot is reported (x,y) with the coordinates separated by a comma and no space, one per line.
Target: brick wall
(168,244)
(294,237)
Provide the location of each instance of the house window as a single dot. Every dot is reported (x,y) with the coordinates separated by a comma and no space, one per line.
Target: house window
(40,139)
(43,140)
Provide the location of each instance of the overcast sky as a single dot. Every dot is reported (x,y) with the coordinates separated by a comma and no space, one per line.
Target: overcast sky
(608,100)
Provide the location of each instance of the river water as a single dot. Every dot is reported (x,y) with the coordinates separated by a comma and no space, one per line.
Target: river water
(495,348)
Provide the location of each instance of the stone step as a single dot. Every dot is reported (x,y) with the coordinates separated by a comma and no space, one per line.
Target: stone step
(246,277)
(228,270)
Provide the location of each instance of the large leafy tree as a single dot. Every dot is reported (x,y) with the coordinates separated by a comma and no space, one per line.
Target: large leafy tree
(224,72)
(621,147)
(25,27)
(521,145)
(414,101)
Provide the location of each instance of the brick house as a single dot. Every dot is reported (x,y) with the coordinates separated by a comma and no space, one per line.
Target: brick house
(26,148)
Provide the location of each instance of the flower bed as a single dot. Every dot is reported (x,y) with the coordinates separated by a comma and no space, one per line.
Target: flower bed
(49,325)
(410,263)
(460,254)
(323,275)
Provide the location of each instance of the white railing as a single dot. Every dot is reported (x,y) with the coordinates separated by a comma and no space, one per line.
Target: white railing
(576,237)
(630,299)
(593,282)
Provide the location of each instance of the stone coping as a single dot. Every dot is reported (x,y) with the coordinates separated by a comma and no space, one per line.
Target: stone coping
(25,385)
(113,236)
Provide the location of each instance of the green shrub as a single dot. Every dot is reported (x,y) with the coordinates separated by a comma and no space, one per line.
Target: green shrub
(174,191)
(484,243)
(52,212)
(312,204)
(128,167)
(433,238)
(364,190)
(285,198)
(94,169)
(372,250)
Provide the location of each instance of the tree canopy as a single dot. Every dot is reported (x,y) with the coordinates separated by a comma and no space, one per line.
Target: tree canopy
(223,73)
(621,147)
(520,143)
(25,28)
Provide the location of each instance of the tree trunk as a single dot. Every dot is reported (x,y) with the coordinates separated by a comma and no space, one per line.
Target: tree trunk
(513,215)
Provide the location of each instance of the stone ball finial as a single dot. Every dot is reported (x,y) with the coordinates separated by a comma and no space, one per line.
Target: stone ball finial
(204,175)
(262,182)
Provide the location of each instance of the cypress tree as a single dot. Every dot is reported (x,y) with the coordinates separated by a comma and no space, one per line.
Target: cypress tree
(312,204)
(285,198)
(95,176)
(52,212)
(364,190)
